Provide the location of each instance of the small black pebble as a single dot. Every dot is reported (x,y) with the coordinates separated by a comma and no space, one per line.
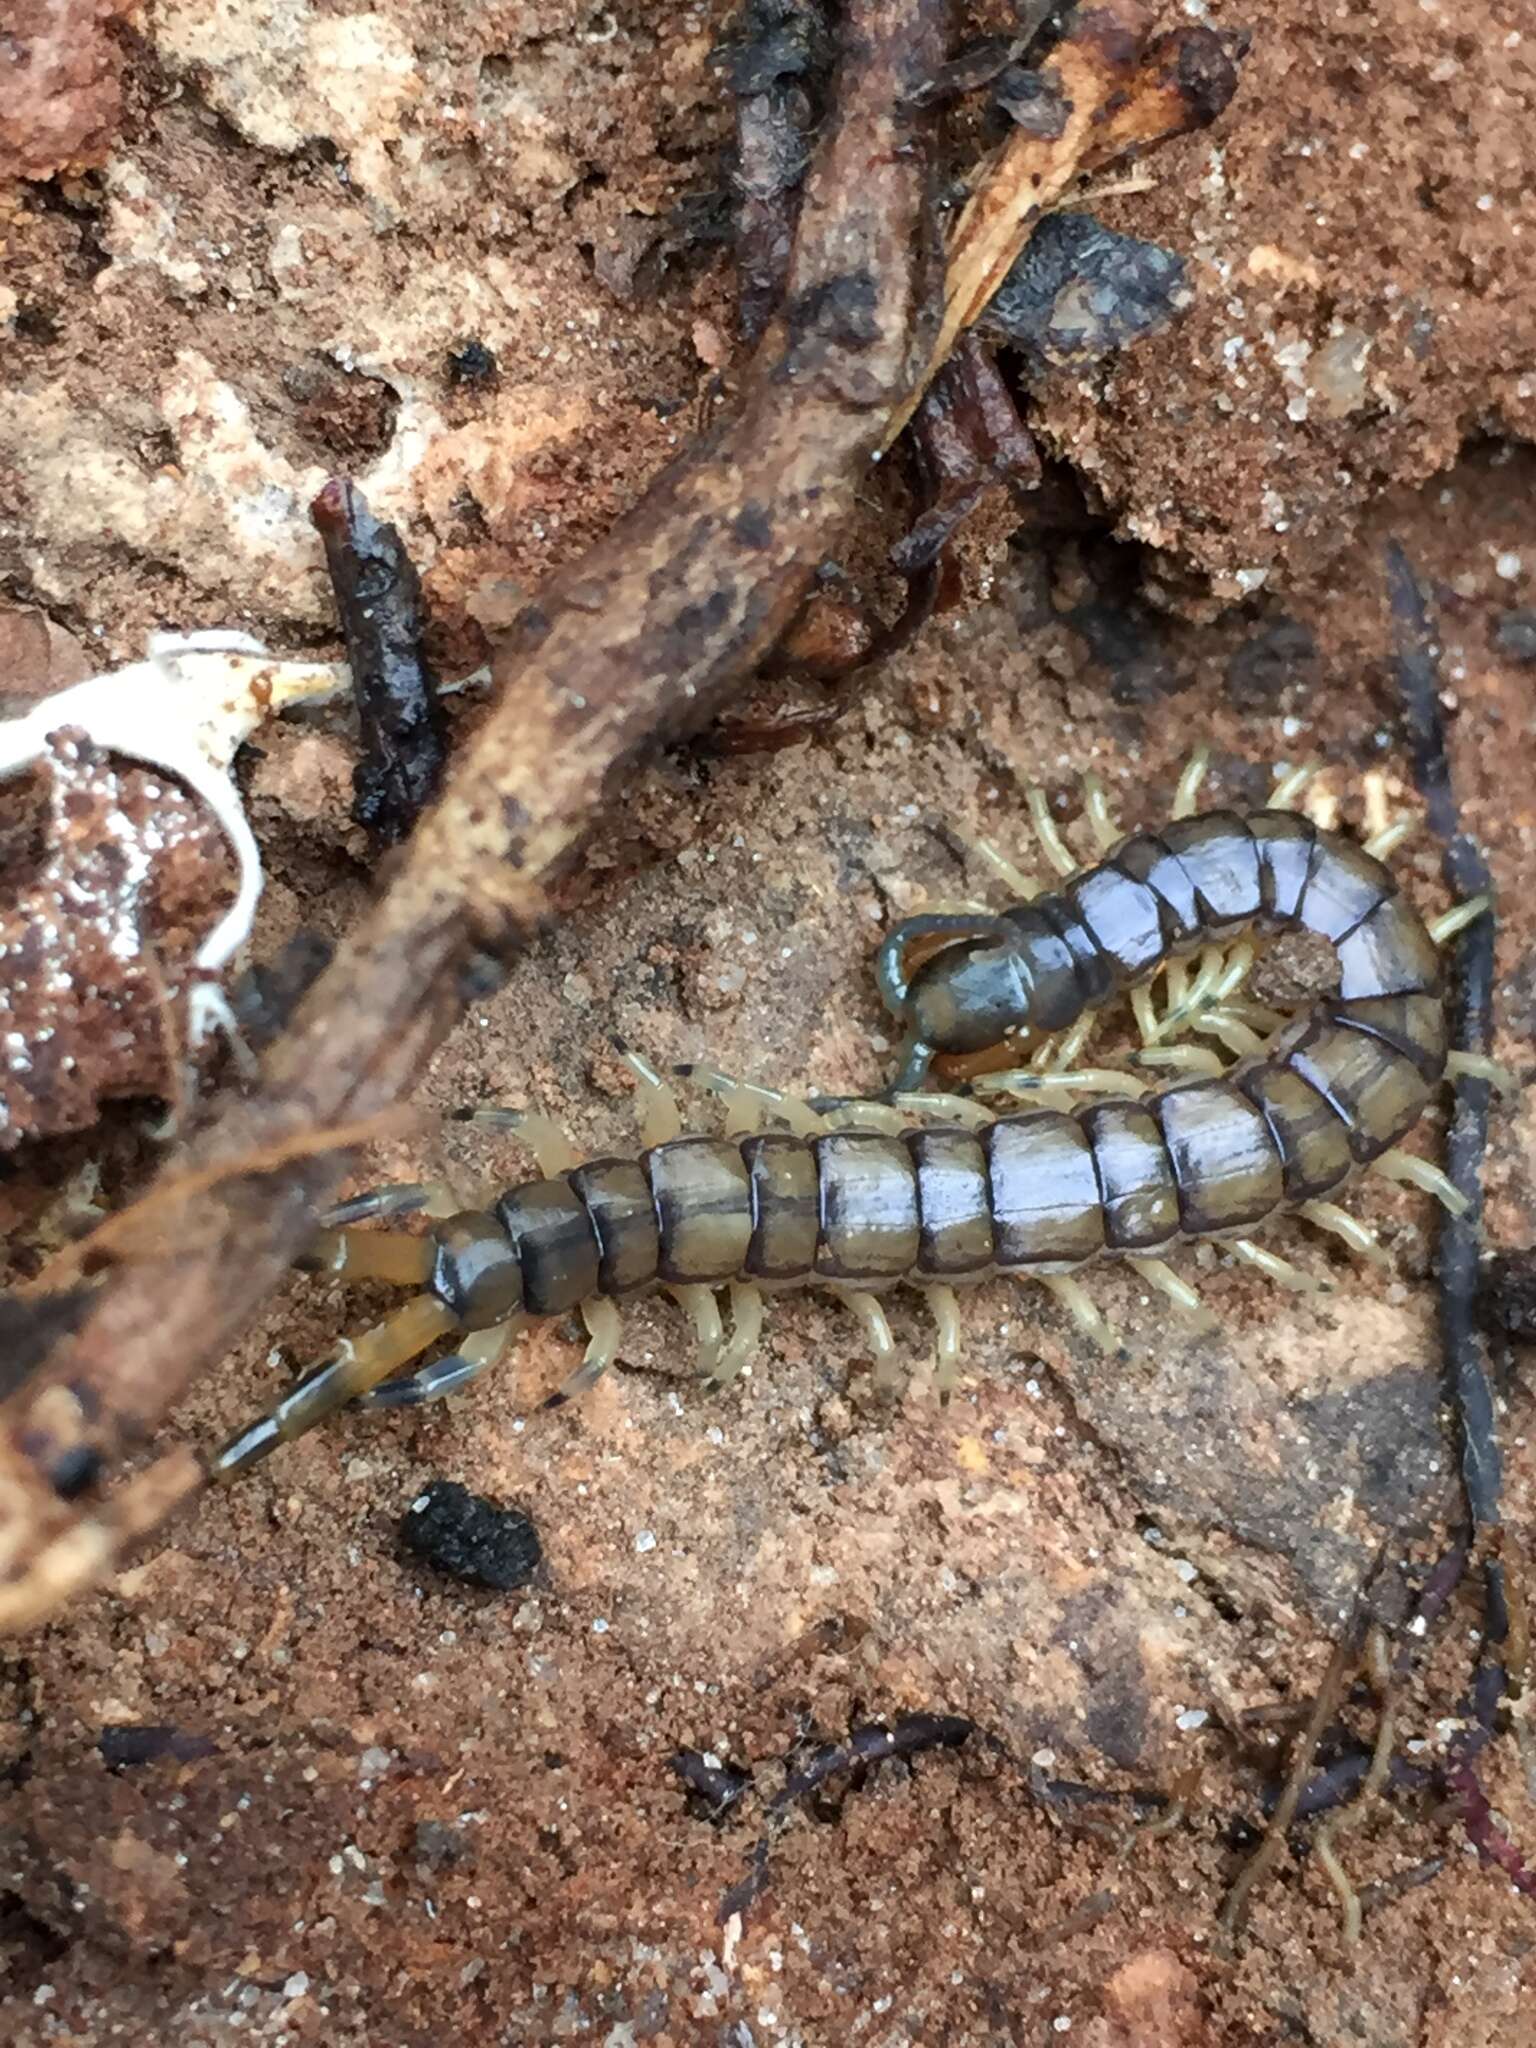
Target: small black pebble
(465,1534)
(471,363)
(146,1742)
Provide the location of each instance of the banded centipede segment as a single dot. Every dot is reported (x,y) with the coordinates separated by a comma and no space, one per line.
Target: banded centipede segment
(857,1198)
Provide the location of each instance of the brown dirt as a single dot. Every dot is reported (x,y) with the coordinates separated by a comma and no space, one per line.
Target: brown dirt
(414,1809)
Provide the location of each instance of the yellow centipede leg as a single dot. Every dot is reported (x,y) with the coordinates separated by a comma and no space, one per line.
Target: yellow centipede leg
(605,1331)
(545,1138)
(1457,918)
(1195,770)
(945,1310)
(1079,1305)
(1185,1298)
(747,1307)
(1478,1066)
(703,1310)
(1383,844)
(1273,1267)
(656,1108)
(1289,787)
(1329,1216)
(1048,832)
(1413,1172)
(1101,822)
(1016,880)
(878,1331)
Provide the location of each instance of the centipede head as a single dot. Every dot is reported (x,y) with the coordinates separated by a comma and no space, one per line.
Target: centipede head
(971,995)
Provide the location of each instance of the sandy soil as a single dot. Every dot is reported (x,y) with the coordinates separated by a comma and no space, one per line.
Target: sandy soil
(388,1807)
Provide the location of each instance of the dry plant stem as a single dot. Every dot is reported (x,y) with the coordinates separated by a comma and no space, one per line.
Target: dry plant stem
(640,640)
(1105,93)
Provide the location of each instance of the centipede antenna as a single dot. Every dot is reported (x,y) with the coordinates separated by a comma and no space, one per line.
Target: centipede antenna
(1080,1306)
(1195,771)
(1048,832)
(1273,1267)
(1330,1217)
(945,1310)
(1290,785)
(1159,1274)
(1458,917)
(703,1310)
(1101,823)
(747,1310)
(1386,842)
(605,1332)
(1411,1171)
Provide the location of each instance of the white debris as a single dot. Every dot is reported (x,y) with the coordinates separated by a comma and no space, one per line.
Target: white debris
(185,708)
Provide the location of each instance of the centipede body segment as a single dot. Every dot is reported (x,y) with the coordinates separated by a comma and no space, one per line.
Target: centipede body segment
(1041,1193)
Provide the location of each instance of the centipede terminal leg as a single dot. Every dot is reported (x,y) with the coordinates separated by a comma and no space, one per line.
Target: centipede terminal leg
(479,1352)
(359,1365)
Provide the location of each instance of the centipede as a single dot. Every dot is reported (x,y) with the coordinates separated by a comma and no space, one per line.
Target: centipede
(929,1188)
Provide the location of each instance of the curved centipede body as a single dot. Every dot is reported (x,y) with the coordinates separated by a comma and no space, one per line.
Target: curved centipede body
(1040,1194)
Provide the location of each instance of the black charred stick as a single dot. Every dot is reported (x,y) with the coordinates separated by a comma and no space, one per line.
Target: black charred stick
(868,1744)
(378,599)
(1468,1380)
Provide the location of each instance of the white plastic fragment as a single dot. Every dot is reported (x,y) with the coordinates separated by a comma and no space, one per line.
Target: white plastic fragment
(186,708)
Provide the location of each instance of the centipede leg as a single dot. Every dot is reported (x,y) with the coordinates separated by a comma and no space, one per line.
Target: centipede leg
(1457,918)
(656,1107)
(480,1350)
(703,1310)
(1019,883)
(605,1331)
(1184,1297)
(1101,823)
(1405,1167)
(945,1310)
(404,1198)
(1080,1306)
(386,1255)
(1195,770)
(1386,842)
(959,1109)
(359,1365)
(1188,1059)
(1478,1066)
(878,1331)
(1048,832)
(1273,1267)
(1330,1217)
(544,1137)
(1289,787)
(747,1309)
(747,1101)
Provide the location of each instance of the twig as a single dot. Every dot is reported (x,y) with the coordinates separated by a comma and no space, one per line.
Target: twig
(640,640)
(1234,1910)
(1466,872)
(870,1744)
(378,599)
(1102,93)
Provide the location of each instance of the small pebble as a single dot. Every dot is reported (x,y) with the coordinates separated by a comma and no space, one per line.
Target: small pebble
(472,1538)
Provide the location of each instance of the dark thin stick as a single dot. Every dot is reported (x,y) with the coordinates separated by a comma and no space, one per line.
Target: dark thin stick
(1466,873)
(1234,1910)
(1483,1831)
(378,599)
(869,1744)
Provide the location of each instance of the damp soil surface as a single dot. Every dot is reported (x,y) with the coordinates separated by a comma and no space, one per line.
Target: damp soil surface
(301,1773)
